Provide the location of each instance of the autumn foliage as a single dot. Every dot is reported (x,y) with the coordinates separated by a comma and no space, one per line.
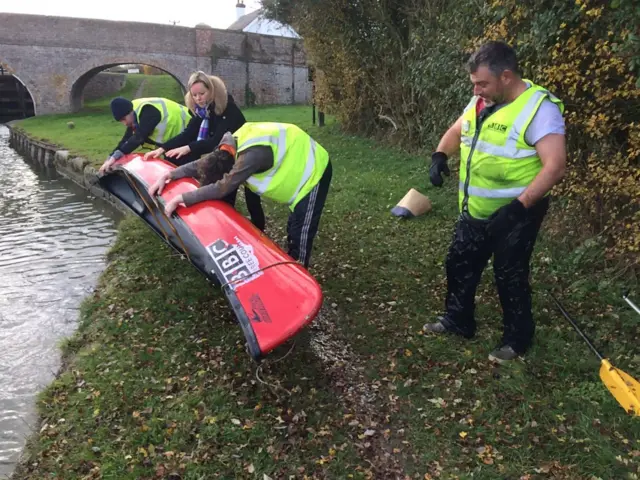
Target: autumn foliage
(397,69)
(585,62)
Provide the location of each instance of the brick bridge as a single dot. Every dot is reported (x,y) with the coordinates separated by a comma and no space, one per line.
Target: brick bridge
(55,57)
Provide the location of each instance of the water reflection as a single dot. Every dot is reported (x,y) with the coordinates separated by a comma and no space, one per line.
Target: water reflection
(53,238)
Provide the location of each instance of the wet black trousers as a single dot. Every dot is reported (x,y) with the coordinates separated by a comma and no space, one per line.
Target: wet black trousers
(304,220)
(469,252)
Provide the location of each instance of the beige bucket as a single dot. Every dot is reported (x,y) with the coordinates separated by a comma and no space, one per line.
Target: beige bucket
(413,204)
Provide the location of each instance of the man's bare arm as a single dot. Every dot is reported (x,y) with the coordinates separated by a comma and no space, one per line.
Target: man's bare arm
(450,141)
(553,154)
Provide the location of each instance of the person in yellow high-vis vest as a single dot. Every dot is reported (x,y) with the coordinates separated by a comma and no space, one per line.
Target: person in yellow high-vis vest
(279,161)
(511,141)
(151,121)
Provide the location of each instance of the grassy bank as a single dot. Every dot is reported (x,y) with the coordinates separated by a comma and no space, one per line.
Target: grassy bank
(96,133)
(131,86)
(158,384)
(164,86)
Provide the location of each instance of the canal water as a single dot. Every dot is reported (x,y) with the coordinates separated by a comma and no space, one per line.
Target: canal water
(53,238)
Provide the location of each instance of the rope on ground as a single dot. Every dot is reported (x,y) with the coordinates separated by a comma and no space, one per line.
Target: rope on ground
(272,386)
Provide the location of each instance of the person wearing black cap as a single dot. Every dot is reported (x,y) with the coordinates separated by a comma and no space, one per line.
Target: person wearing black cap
(148,120)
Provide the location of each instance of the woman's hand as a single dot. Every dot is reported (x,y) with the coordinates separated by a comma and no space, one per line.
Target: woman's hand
(159,185)
(171,206)
(153,153)
(179,152)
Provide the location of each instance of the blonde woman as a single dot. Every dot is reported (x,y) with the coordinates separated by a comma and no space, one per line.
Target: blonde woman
(214,113)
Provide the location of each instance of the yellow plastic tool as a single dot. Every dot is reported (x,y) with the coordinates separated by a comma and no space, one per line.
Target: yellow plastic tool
(624,388)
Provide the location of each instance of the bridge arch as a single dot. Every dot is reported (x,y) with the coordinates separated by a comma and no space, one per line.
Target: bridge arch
(81,76)
(17,94)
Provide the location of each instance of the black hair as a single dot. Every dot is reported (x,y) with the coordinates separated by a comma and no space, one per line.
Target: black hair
(495,55)
(214,166)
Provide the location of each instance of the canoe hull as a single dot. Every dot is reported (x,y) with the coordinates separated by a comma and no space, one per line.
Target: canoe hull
(272,296)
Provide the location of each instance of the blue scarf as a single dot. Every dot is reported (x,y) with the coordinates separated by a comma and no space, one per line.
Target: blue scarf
(204,126)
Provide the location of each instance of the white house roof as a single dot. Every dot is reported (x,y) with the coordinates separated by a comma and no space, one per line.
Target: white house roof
(256,22)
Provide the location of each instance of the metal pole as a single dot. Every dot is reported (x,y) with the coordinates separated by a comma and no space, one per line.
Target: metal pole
(633,305)
(577,329)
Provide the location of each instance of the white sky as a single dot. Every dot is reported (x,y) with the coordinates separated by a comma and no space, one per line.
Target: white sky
(215,13)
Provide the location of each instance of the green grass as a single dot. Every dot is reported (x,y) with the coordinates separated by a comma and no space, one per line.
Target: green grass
(96,133)
(164,86)
(158,381)
(133,82)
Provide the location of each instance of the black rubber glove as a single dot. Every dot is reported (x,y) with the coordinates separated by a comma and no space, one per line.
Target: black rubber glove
(505,218)
(438,167)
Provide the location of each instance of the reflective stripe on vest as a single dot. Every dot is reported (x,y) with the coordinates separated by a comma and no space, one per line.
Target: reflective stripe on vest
(494,192)
(164,117)
(500,165)
(184,117)
(299,161)
(280,141)
(510,149)
(161,134)
(308,170)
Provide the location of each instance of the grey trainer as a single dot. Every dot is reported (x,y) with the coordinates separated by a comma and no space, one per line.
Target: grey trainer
(437,327)
(503,354)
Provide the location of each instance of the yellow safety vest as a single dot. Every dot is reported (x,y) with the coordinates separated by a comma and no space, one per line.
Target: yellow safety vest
(496,163)
(174,117)
(298,160)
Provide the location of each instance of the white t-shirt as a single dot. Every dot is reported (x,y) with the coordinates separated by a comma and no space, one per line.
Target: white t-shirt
(547,119)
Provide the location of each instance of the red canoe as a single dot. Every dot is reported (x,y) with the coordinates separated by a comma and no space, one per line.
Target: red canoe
(272,296)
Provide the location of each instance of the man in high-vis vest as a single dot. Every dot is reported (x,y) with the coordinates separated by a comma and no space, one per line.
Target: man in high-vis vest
(150,121)
(279,161)
(511,141)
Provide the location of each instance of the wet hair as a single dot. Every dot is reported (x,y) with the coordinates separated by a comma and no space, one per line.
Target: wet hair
(495,55)
(214,166)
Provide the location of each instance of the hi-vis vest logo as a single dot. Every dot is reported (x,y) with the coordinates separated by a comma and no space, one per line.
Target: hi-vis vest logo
(235,262)
(498,127)
(466,126)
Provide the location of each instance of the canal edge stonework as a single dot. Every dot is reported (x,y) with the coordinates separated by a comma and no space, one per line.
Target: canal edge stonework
(76,169)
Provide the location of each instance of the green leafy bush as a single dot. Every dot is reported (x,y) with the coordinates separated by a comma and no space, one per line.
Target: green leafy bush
(397,69)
